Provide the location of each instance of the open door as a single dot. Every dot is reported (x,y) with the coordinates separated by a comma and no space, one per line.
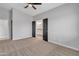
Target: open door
(33,29)
(45,29)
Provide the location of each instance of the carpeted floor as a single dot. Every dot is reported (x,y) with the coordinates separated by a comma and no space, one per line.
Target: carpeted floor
(33,47)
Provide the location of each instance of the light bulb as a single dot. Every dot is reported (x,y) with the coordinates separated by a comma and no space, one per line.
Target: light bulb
(30,5)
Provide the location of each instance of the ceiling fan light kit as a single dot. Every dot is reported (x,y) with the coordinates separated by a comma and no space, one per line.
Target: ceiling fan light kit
(32,5)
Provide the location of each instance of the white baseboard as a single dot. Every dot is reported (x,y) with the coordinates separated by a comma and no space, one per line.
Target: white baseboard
(22,38)
(73,48)
(4,39)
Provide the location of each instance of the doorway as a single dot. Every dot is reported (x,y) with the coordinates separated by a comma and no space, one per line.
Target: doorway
(45,29)
(33,28)
(40,29)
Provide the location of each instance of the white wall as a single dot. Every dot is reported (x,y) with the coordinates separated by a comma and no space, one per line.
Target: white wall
(63,25)
(22,25)
(4,25)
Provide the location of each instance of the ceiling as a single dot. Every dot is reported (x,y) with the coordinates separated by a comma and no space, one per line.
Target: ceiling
(30,11)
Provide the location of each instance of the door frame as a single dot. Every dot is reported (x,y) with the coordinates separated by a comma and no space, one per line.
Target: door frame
(11,24)
(45,29)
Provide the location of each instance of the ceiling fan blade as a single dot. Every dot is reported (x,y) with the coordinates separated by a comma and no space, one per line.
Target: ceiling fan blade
(26,6)
(35,3)
(34,7)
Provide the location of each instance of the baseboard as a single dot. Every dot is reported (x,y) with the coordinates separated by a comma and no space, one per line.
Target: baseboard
(76,49)
(4,39)
(23,38)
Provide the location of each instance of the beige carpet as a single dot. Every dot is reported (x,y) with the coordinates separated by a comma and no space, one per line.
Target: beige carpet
(33,47)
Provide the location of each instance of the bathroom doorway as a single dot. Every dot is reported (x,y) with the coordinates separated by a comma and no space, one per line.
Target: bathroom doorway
(39,29)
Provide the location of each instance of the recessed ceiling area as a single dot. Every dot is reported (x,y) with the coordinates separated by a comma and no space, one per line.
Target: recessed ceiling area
(30,11)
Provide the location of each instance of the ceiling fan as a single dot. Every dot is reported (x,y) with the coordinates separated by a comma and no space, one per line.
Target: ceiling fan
(32,5)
